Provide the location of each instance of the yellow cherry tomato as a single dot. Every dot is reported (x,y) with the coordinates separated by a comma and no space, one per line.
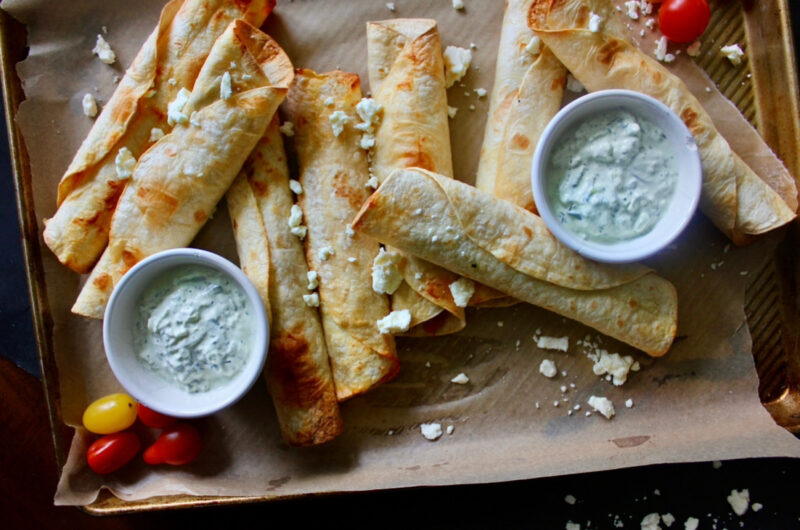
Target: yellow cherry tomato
(110,414)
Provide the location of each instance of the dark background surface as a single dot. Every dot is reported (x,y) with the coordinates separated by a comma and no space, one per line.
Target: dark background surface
(28,472)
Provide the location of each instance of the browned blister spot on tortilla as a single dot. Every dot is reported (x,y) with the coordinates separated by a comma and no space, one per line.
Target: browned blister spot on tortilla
(102,282)
(200,216)
(633,303)
(559,83)
(129,258)
(520,142)
(689,117)
(608,52)
(355,197)
(258,187)
(418,158)
(657,77)
(297,378)
(156,204)
(528,232)
(405,85)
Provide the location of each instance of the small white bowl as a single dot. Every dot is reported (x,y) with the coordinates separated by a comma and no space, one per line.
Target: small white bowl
(687,189)
(145,385)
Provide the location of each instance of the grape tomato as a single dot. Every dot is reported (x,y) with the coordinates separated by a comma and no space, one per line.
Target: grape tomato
(154,419)
(177,445)
(683,20)
(110,414)
(112,451)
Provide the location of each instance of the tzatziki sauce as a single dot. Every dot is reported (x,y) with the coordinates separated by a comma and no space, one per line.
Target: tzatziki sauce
(611,178)
(194,328)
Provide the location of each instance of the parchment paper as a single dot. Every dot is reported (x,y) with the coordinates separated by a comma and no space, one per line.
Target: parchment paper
(699,402)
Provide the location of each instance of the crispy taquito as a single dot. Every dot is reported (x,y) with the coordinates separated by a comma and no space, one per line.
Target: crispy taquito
(134,118)
(510,249)
(734,198)
(528,88)
(333,172)
(298,373)
(177,183)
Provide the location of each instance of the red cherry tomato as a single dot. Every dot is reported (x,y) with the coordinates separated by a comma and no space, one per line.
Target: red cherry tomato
(154,419)
(683,20)
(177,445)
(112,451)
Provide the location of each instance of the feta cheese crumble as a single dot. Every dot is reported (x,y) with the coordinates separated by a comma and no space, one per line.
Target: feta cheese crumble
(570,499)
(431,431)
(650,522)
(89,105)
(225,87)
(460,379)
(395,322)
(338,120)
(295,185)
(734,53)
(572,526)
(480,92)
(175,108)
(324,253)
(450,429)
(691,523)
(462,290)
(667,519)
(739,501)
(633,9)
(125,163)
(386,276)
(456,64)
(311,300)
(602,405)
(287,129)
(534,46)
(629,403)
(458,5)
(300,231)
(614,365)
(373,182)
(573,85)
(693,50)
(103,51)
(594,22)
(295,216)
(451,111)
(552,343)
(313,280)
(548,369)
(370,113)
(756,506)
(661,48)
(390,6)
(329,101)
(156,134)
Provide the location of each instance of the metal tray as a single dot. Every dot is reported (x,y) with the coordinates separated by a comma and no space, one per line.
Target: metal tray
(765,90)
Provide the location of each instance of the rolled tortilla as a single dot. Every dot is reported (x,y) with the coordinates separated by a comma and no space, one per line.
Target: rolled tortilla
(528,88)
(169,60)
(334,173)
(736,200)
(298,372)
(510,249)
(177,183)
(406,75)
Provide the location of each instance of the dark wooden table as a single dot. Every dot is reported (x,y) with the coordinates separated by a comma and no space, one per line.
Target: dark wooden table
(28,472)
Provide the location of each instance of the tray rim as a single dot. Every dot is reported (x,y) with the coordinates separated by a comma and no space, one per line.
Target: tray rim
(106,503)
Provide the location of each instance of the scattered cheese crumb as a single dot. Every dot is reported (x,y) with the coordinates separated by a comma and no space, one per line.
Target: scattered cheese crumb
(633,9)
(708,89)
(390,6)
(89,105)
(103,51)
(534,46)
(300,231)
(458,5)
(570,499)
(573,85)
(348,230)
(311,300)
(460,379)
(462,290)
(456,64)
(225,88)
(756,506)
(395,322)
(594,22)
(338,120)
(370,113)
(645,7)
(125,163)
(313,280)
(480,92)
(572,526)
(156,134)
(629,404)
(386,276)
(175,107)
(373,182)
(691,523)
(739,501)
(472,107)
(450,429)
(329,101)
(324,253)
(716,464)
(351,259)
(650,522)
(650,23)
(287,129)
(451,111)
(667,519)
(553,343)
(734,53)
(693,50)
(548,369)
(661,48)
(614,365)
(295,216)
(431,431)
(602,405)
(295,185)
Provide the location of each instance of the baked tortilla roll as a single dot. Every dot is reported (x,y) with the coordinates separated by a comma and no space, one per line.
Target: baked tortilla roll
(169,61)
(736,200)
(298,373)
(333,172)
(528,88)
(510,249)
(406,75)
(177,183)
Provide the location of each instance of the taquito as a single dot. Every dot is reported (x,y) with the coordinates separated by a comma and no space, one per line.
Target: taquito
(733,197)
(528,88)
(333,172)
(134,118)
(510,249)
(177,183)
(406,75)
(298,373)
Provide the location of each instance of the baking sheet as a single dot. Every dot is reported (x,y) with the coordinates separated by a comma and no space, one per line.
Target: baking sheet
(698,403)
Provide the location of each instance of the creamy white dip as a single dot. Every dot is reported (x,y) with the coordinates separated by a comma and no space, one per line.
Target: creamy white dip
(194,328)
(612,177)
